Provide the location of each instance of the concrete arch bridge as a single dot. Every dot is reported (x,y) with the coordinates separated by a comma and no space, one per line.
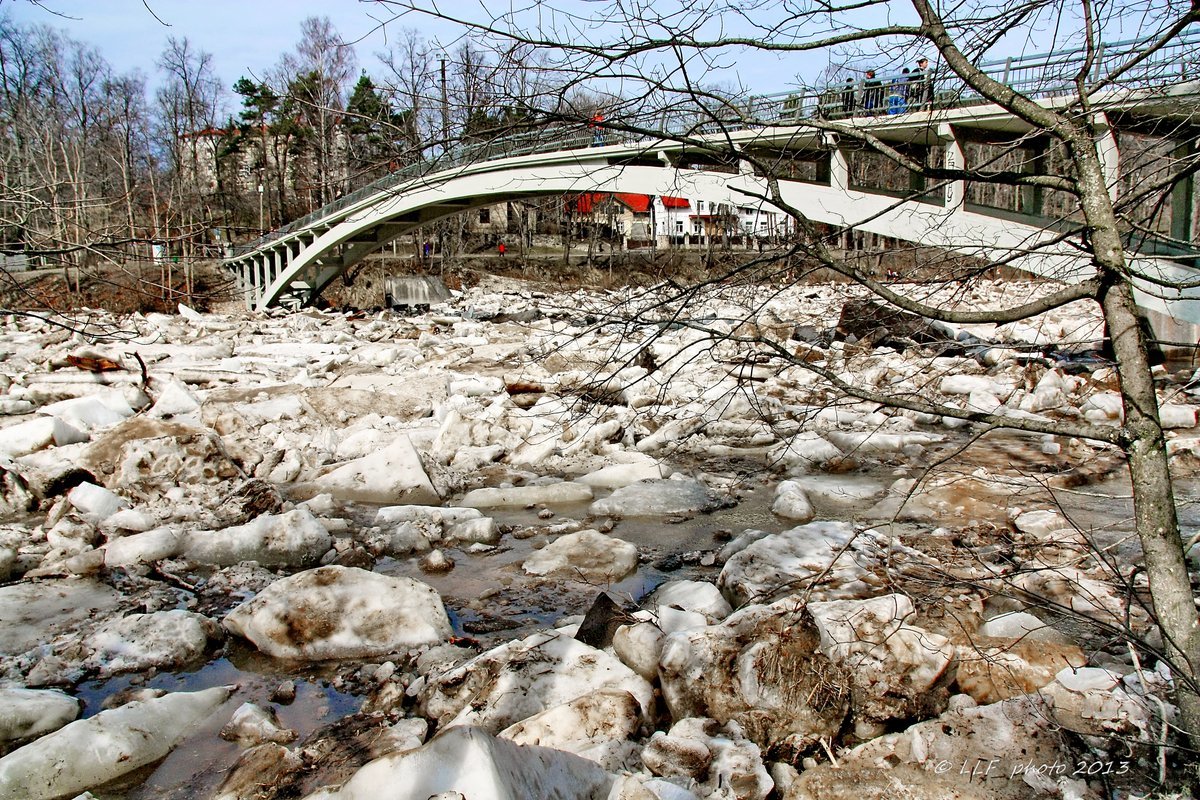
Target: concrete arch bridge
(294,264)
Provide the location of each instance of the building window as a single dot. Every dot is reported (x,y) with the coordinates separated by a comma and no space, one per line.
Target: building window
(485,216)
(679,226)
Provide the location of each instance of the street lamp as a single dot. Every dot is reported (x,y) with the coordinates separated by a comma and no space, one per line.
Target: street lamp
(261,226)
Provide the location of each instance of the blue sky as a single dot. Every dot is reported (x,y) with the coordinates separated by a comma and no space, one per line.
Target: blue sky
(247,37)
(244,36)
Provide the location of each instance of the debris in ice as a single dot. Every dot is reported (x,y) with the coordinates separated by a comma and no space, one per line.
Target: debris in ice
(254,725)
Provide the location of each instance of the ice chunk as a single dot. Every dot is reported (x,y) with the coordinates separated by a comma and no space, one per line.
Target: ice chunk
(37,434)
(391,475)
(341,612)
(295,538)
(465,761)
(587,555)
(96,750)
(95,502)
(521,496)
(25,713)
(140,641)
(792,503)
(659,497)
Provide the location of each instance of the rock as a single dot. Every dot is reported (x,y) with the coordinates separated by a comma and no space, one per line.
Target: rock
(526,496)
(601,621)
(792,503)
(253,725)
(26,713)
(140,641)
(518,679)
(587,555)
(391,475)
(341,612)
(788,561)
(284,693)
(466,761)
(991,669)
(94,751)
(897,671)
(436,562)
(293,539)
(659,498)
(580,724)
(762,668)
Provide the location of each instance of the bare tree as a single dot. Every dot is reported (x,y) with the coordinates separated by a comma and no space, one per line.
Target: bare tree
(313,82)
(188,104)
(651,65)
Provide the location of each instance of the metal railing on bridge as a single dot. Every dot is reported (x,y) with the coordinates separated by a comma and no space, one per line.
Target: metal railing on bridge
(1038,75)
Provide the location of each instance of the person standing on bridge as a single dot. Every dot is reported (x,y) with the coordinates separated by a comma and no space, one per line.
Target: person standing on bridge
(872,94)
(598,136)
(920,86)
(848,98)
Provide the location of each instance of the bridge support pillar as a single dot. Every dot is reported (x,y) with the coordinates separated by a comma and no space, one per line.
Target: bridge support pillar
(1183,196)
(955,158)
(839,170)
(1109,153)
